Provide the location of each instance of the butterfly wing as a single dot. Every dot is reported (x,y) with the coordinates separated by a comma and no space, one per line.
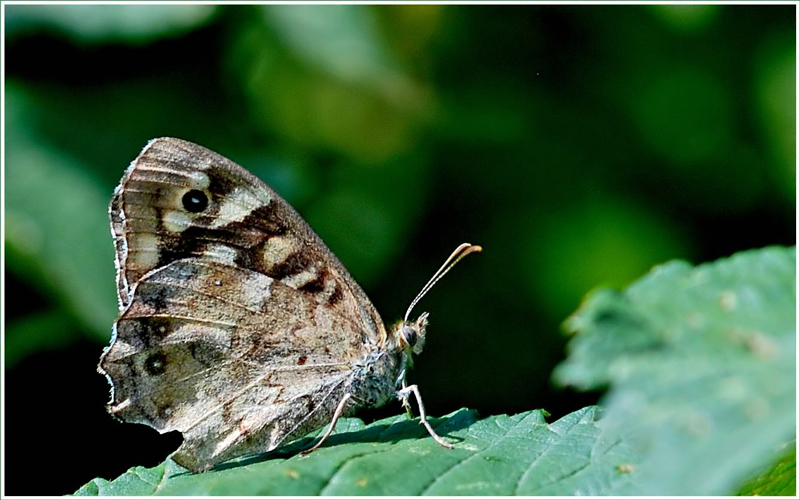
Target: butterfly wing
(178,199)
(237,326)
(204,348)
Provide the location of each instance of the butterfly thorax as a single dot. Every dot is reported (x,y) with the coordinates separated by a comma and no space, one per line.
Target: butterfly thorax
(379,374)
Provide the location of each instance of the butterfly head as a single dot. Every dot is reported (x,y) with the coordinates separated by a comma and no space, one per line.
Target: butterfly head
(410,335)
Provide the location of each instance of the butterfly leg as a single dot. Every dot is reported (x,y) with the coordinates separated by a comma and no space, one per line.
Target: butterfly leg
(404,394)
(336,415)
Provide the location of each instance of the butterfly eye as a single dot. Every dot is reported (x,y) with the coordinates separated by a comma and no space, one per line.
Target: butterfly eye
(195,201)
(409,335)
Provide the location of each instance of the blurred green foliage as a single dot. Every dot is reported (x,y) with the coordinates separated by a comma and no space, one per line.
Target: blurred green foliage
(579,145)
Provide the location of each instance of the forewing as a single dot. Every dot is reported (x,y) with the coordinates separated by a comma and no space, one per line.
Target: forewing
(179,200)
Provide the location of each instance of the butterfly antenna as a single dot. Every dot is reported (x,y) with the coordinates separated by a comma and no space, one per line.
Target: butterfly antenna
(459,253)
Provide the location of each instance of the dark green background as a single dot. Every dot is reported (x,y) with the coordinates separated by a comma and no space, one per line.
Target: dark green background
(579,145)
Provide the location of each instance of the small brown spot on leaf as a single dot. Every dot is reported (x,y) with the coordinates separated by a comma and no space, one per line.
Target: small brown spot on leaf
(761,345)
(727,300)
(757,409)
(625,468)
(694,319)
(696,424)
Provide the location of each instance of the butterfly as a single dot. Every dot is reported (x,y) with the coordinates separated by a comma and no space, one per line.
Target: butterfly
(237,326)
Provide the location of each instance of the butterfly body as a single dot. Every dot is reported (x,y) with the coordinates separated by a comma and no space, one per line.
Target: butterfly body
(238,327)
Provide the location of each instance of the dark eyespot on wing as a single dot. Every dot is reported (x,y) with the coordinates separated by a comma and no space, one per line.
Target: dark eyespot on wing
(156,364)
(195,201)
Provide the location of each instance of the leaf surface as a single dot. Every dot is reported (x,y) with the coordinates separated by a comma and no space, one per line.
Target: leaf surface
(502,455)
(701,366)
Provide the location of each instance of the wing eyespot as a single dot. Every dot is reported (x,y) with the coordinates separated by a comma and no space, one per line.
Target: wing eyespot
(195,201)
(156,364)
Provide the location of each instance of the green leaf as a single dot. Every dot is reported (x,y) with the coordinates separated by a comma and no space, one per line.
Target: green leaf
(503,455)
(701,367)
(779,480)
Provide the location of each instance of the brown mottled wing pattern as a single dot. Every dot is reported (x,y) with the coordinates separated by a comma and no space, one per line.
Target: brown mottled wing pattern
(238,327)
